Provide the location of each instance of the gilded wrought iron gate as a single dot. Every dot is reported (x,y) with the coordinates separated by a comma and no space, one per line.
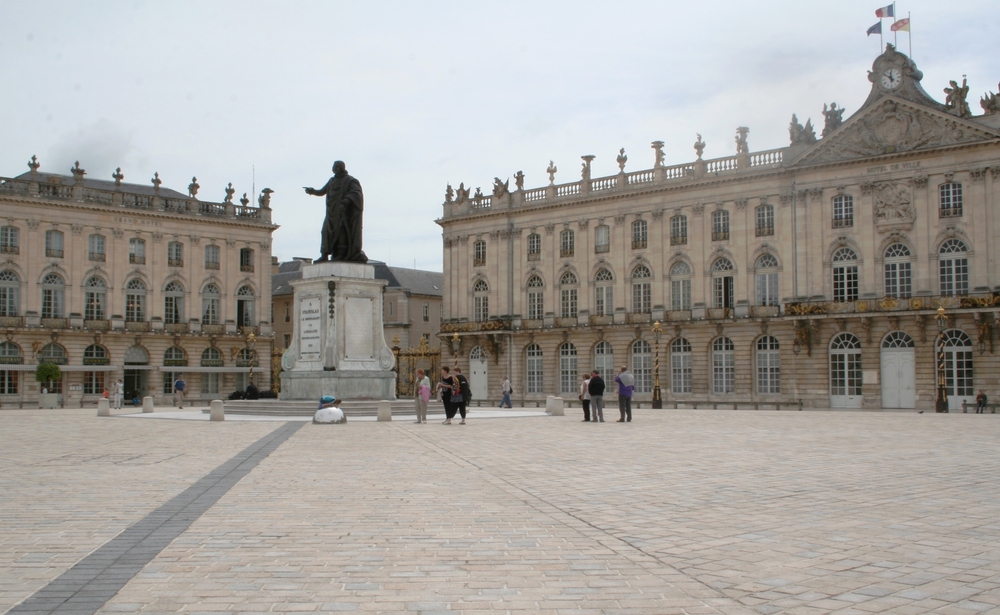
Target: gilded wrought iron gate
(409,361)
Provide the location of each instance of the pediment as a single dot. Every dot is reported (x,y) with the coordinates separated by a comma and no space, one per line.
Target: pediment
(894,126)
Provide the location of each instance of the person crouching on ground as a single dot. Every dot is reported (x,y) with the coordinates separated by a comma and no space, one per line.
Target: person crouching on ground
(422,395)
(626,384)
(596,389)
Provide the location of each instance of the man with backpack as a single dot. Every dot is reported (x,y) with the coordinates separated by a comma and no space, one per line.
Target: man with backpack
(596,389)
(179,386)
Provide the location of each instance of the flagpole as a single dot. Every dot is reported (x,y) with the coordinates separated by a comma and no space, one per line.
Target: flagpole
(909,32)
(895,39)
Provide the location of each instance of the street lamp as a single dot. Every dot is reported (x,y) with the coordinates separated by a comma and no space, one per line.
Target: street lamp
(456,344)
(657,399)
(941,405)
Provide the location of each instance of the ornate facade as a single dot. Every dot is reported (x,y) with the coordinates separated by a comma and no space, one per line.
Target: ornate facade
(113,280)
(811,273)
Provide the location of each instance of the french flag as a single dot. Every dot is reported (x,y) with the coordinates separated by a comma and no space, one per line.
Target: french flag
(885,11)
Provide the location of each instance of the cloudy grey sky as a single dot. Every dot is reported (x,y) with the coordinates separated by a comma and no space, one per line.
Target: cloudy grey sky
(413,95)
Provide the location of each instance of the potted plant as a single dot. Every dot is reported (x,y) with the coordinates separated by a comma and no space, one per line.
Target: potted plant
(48,373)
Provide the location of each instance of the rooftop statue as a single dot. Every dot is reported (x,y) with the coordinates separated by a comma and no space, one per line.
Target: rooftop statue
(699,146)
(519,180)
(797,133)
(193,187)
(990,102)
(955,98)
(834,117)
(345,204)
(741,140)
(500,188)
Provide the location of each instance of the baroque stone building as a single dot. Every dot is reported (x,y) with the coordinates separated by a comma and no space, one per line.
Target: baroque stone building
(114,280)
(809,273)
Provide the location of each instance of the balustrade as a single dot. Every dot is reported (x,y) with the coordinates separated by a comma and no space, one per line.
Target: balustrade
(604,183)
(537,194)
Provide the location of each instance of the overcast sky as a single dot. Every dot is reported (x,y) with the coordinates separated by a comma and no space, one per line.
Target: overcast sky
(414,95)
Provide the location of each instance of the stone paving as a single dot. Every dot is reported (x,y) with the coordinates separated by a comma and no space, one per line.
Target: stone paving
(679,512)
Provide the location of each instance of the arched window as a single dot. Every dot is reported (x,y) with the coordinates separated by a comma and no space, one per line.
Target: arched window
(950,195)
(953,268)
(642,366)
(680,366)
(898,271)
(602,238)
(533,377)
(10,353)
(568,295)
(957,349)
(768,366)
(211,299)
(720,225)
(210,357)
(136,355)
(95,248)
(52,353)
(678,230)
(10,240)
(845,275)
(135,300)
(765,220)
(481,301)
(10,293)
(54,244)
(175,356)
(568,372)
(137,251)
(95,354)
(211,257)
(722,283)
(245,302)
(536,296)
(897,339)
(246,358)
(173,303)
(766,270)
(175,254)
(479,253)
(95,299)
(53,296)
(534,247)
(845,368)
(567,243)
(246,260)
(640,235)
(680,286)
(604,360)
(843,211)
(642,291)
(723,366)
(604,287)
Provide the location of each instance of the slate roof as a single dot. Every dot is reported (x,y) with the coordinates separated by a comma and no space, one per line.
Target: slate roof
(417,281)
(101,184)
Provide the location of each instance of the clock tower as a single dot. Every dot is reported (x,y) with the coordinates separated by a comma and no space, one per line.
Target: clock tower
(894,74)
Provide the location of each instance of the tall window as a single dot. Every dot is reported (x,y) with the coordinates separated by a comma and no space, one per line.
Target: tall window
(640,235)
(567,243)
(568,373)
(245,301)
(953,268)
(246,259)
(93,383)
(534,369)
(211,299)
(723,366)
(568,295)
(642,295)
(845,275)
(765,220)
(642,366)
(479,253)
(720,225)
(534,246)
(722,283)
(957,363)
(53,296)
(768,366)
(95,248)
(680,366)
(175,254)
(680,286)
(135,300)
(898,272)
(137,251)
(95,299)
(10,293)
(211,257)
(211,357)
(604,360)
(604,287)
(175,355)
(843,211)
(950,200)
(288,312)
(602,238)
(426,313)
(536,297)
(54,244)
(9,353)
(845,366)
(678,230)
(173,303)
(766,271)
(9,240)
(481,301)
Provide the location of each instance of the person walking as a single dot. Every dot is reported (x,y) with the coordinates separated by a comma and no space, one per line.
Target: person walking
(446,387)
(585,397)
(981,401)
(118,390)
(506,390)
(595,386)
(626,384)
(465,393)
(179,386)
(422,395)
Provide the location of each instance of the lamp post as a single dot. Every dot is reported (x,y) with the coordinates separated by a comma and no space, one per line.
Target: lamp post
(456,344)
(657,399)
(941,405)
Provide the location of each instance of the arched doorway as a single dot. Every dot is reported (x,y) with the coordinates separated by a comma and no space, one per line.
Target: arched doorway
(898,372)
(958,368)
(845,371)
(478,374)
(136,383)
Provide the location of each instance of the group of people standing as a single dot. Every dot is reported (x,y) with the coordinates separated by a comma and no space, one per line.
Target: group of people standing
(592,396)
(454,390)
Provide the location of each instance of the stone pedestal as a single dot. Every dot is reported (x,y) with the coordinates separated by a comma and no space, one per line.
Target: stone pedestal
(147,404)
(339,347)
(555,406)
(218,411)
(103,407)
(384,411)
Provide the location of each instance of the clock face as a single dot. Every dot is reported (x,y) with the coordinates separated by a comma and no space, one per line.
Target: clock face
(892,78)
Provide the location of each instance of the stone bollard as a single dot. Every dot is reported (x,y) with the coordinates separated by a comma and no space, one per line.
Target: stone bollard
(218,412)
(103,407)
(554,406)
(384,411)
(147,404)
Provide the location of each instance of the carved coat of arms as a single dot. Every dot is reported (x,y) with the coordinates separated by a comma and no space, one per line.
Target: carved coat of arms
(893,206)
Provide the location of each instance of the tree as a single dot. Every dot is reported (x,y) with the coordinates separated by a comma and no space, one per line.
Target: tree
(48,372)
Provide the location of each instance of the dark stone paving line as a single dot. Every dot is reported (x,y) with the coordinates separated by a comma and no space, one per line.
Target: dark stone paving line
(87,586)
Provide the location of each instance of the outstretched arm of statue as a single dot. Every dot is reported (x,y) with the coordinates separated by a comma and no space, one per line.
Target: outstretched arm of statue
(322,191)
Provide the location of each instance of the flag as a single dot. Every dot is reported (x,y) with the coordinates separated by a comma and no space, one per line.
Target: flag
(885,11)
(901,25)
(876,29)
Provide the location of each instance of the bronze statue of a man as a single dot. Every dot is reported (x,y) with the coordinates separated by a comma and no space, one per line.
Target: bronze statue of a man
(345,204)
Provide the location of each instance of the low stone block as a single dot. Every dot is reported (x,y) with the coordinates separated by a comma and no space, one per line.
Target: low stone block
(384,411)
(217,411)
(147,404)
(555,406)
(103,407)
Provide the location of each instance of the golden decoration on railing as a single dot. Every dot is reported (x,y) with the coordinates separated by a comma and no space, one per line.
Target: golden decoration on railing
(888,303)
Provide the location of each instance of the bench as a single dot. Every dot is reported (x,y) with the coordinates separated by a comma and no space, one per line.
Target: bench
(966,406)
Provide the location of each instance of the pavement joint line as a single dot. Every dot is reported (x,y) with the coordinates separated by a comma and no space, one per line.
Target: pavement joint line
(720,603)
(86,583)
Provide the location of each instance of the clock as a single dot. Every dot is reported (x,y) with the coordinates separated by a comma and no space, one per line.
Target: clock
(892,78)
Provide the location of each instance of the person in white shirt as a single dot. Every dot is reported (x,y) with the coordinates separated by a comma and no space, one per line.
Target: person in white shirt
(585,398)
(119,392)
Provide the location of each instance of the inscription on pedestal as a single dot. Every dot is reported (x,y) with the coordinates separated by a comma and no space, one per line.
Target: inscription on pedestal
(310,319)
(360,324)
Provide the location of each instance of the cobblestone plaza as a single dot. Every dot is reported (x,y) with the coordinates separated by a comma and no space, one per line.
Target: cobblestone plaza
(679,512)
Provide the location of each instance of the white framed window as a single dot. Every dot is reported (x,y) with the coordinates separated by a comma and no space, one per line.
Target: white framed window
(137,251)
(135,300)
(211,300)
(54,244)
(10,293)
(173,303)
(479,253)
(950,200)
(246,260)
(95,299)
(426,312)
(766,273)
(602,238)
(211,257)
(843,211)
(764,215)
(536,297)
(53,296)
(175,254)
(678,230)
(723,366)
(93,383)
(10,240)
(567,243)
(640,235)
(845,366)
(604,290)
(245,304)
(533,363)
(722,283)
(604,360)
(898,272)
(642,290)
(481,301)
(95,248)
(534,246)
(768,366)
(681,372)
(568,295)
(720,225)
(210,383)
(568,372)
(953,268)
(680,286)
(642,366)
(845,275)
